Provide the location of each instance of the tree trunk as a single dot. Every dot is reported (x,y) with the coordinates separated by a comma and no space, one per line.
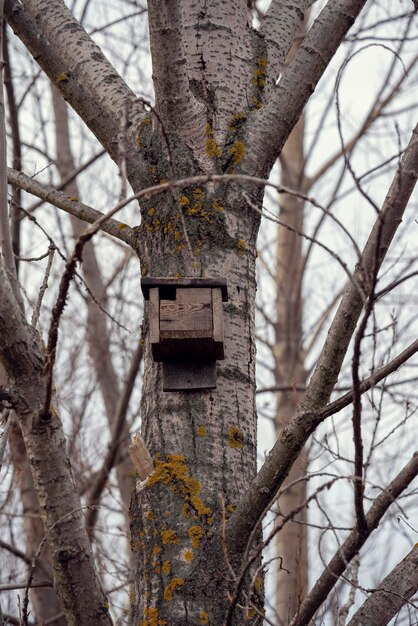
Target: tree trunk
(44,600)
(203,442)
(97,330)
(22,355)
(292,549)
(292,570)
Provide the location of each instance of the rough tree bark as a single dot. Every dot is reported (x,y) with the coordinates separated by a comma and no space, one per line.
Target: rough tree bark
(44,600)
(385,602)
(22,355)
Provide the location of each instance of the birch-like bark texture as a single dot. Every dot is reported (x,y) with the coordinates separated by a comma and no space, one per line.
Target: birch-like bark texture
(274,122)
(71,205)
(203,442)
(44,601)
(384,603)
(191,48)
(15,212)
(279,27)
(6,247)
(77,66)
(74,573)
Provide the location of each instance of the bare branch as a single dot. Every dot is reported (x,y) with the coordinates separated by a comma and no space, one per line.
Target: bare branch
(116,441)
(372,380)
(273,123)
(309,413)
(5,435)
(393,592)
(6,246)
(377,109)
(34,584)
(23,359)
(77,66)
(44,286)
(353,543)
(71,205)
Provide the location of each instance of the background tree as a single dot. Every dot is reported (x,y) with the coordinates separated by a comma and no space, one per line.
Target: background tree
(218,112)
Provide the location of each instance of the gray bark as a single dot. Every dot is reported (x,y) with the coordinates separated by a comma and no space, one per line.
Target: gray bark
(74,207)
(44,601)
(273,123)
(292,573)
(77,66)
(279,27)
(394,590)
(292,546)
(23,359)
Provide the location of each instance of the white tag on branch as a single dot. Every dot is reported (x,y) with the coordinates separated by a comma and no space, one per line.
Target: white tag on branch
(140,457)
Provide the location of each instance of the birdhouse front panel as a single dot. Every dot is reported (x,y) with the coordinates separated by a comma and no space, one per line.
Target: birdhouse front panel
(186,324)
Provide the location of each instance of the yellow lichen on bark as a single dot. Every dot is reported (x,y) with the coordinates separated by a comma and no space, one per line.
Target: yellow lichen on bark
(236,120)
(235,438)
(237,151)
(171,587)
(198,193)
(196,534)
(216,204)
(187,555)
(152,619)
(212,149)
(175,474)
(203,617)
(183,200)
(241,246)
(169,536)
(142,125)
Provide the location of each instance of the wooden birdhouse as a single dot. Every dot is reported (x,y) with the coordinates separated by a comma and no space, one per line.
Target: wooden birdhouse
(186,329)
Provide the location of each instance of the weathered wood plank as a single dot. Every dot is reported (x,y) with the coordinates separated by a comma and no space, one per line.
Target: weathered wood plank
(218,325)
(190,312)
(150,281)
(154,322)
(190,375)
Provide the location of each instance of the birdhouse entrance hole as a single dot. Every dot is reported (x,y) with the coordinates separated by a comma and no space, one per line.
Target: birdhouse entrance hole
(186,329)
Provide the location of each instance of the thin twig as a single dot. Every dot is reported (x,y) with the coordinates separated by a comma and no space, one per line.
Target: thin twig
(44,286)
(38,583)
